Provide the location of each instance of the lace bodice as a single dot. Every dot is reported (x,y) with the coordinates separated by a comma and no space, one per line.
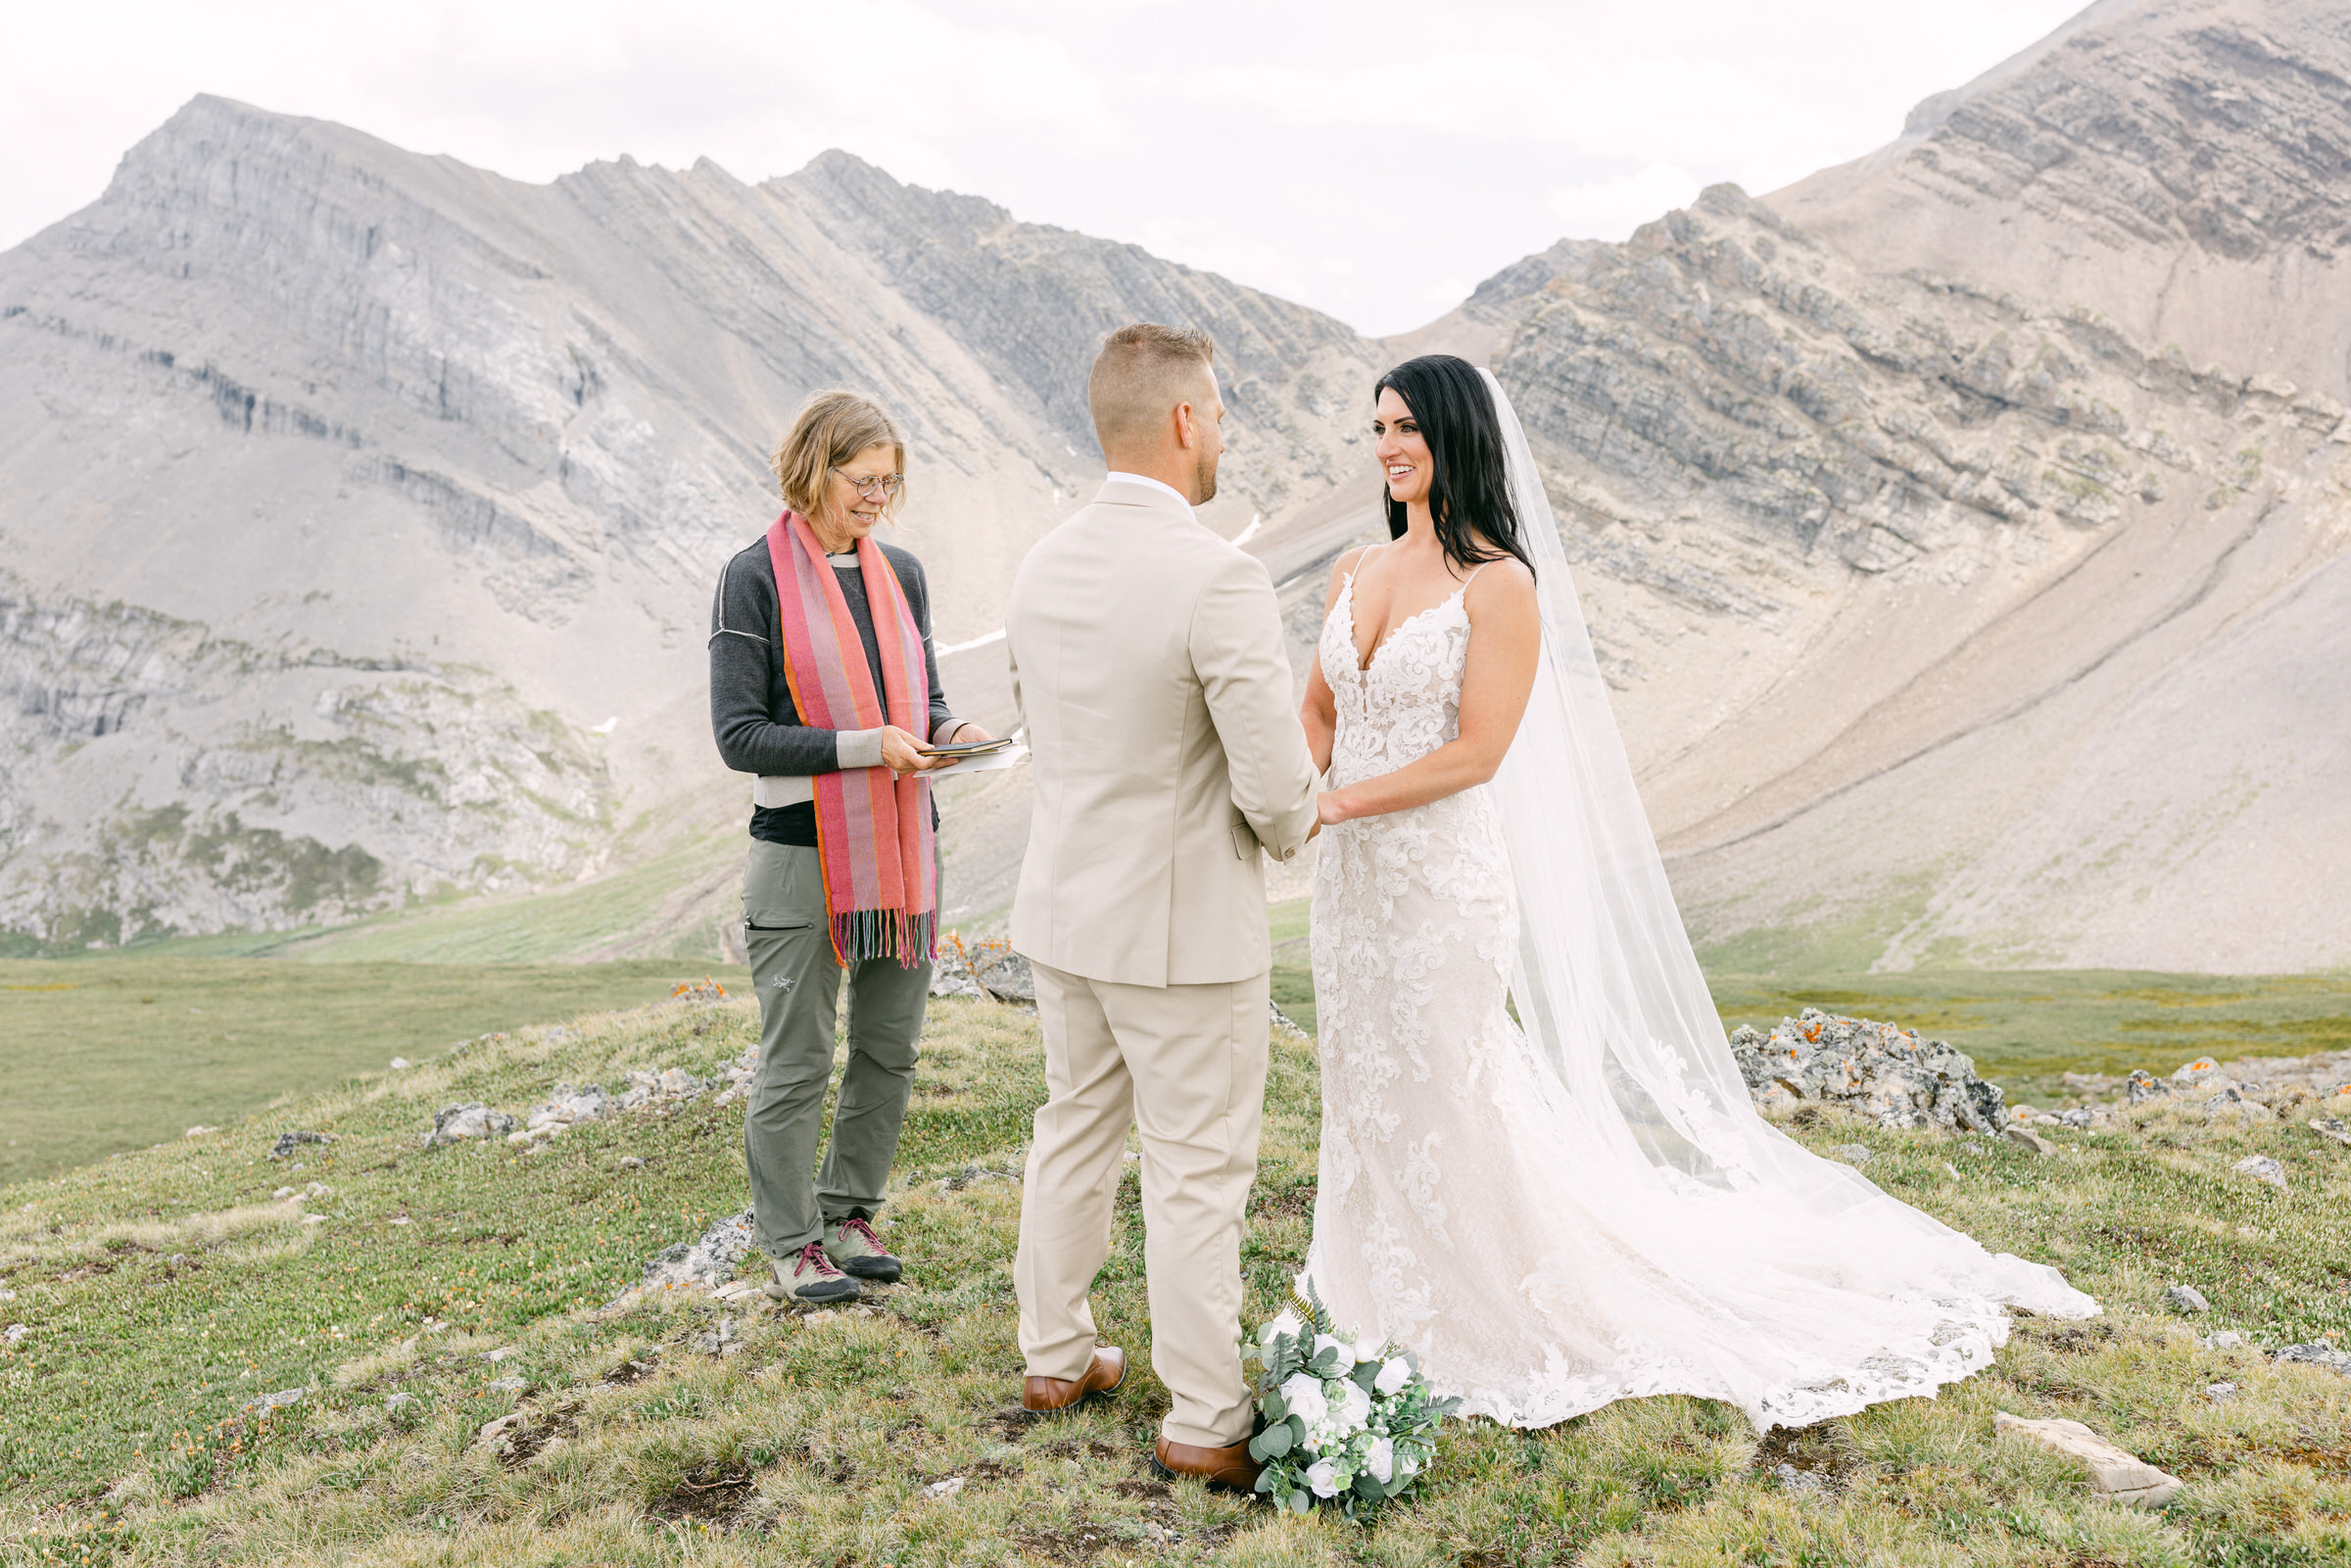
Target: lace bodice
(1407,702)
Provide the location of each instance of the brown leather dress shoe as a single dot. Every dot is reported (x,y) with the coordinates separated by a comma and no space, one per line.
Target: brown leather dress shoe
(1108,1372)
(1228,1468)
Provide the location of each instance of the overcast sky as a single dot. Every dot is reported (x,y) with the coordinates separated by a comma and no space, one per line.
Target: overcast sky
(1374,159)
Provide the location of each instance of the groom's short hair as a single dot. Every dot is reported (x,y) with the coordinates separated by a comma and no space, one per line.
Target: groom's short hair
(1143,373)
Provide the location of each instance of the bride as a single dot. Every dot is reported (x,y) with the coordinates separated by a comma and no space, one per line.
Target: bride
(1540,1169)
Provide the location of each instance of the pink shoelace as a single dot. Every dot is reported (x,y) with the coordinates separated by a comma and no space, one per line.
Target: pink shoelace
(867,1232)
(813,1255)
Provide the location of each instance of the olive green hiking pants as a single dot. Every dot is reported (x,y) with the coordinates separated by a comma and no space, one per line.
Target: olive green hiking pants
(799,989)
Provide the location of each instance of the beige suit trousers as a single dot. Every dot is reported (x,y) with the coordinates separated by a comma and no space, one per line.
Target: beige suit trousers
(1191,1061)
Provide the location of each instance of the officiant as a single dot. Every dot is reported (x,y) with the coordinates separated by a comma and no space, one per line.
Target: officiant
(824,686)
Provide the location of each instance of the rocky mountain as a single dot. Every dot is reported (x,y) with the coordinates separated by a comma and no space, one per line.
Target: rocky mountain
(1978,594)
(360,511)
(1964,529)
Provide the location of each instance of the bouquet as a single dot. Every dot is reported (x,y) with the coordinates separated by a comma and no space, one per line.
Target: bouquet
(1345,1422)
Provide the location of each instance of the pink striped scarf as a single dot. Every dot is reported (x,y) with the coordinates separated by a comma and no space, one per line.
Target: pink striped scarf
(873,829)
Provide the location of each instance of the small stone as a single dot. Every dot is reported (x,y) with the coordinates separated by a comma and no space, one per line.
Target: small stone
(2027,1138)
(399,1400)
(319,1189)
(14,1333)
(2219,1392)
(2333,1128)
(2144,1086)
(1856,1154)
(509,1385)
(282,1194)
(2112,1473)
(400,1063)
(288,1142)
(313,1220)
(944,1488)
(2078,1119)
(493,1431)
(2261,1167)
(631,1162)
(198,1132)
(1802,1483)
(401,1219)
(270,1404)
(2318,1355)
(499,1354)
(2226,1339)
(177,1260)
(2186,1299)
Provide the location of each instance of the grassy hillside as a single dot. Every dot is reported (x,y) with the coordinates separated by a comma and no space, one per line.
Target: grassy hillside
(164,1290)
(117,1051)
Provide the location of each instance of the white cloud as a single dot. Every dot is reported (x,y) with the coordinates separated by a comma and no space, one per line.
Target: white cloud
(1363,160)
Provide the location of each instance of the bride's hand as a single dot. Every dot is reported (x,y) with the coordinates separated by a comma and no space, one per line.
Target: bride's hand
(1327,810)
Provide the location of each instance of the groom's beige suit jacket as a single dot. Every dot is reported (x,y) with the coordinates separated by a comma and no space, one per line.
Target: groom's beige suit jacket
(1148,665)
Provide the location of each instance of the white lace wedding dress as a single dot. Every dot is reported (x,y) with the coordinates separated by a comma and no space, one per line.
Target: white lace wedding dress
(1546,1232)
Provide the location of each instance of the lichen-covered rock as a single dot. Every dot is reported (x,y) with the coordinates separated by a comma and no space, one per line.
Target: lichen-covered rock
(2112,1473)
(1886,1074)
(458,1123)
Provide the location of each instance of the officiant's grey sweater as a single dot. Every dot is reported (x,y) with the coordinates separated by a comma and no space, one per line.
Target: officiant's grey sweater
(752,716)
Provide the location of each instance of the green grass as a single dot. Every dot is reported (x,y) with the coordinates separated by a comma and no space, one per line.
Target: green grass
(115,1052)
(815,1441)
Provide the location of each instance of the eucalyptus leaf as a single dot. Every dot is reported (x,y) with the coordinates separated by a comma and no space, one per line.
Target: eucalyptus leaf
(1299,1502)
(1272,1443)
(1275,1406)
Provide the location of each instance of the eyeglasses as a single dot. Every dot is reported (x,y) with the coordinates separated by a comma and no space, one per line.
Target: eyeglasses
(888,486)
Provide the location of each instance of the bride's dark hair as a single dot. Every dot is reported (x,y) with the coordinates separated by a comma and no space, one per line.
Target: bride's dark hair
(1469,485)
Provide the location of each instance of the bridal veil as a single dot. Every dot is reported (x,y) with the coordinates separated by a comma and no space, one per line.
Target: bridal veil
(1862,1298)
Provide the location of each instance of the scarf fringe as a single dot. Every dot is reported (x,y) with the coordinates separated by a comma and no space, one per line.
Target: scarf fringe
(911,939)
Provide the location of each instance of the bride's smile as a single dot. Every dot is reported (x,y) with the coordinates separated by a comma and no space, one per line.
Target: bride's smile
(1402,450)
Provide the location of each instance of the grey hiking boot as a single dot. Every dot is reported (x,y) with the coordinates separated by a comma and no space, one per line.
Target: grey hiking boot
(857,1251)
(808,1276)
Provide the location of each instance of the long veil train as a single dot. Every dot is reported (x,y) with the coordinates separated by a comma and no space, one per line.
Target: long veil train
(1788,1283)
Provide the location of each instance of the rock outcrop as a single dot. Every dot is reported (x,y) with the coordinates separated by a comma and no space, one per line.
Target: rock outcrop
(1876,1070)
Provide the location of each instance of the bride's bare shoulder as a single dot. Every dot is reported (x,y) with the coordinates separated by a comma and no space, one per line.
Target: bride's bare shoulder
(1504,583)
(1342,569)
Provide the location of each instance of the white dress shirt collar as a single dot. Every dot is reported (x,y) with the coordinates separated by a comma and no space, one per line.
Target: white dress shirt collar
(1115,477)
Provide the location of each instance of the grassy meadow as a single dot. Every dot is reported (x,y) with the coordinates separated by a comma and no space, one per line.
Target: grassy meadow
(164,1290)
(115,1052)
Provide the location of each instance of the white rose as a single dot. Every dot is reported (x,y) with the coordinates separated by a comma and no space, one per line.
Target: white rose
(1303,1395)
(1394,1373)
(1323,1477)
(1380,1460)
(1354,1409)
(1408,1464)
(1324,1342)
(1366,1351)
(1286,1323)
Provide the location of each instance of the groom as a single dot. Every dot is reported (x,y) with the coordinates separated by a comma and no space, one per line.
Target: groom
(1148,665)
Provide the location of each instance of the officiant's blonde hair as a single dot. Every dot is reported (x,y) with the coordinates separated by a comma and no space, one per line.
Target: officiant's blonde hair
(831,428)
(1143,372)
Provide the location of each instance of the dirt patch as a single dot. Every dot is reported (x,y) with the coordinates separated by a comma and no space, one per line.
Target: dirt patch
(635,1371)
(1824,1451)
(1144,1491)
(531,1437)
(1010,1422)
(1297,1199)
(712,1493)
(1074,1543)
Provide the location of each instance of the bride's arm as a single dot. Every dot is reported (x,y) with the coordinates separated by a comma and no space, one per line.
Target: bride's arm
(1318,714)
(1506,638)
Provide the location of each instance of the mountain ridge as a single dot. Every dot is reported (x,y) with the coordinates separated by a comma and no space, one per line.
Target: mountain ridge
(1953,615)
